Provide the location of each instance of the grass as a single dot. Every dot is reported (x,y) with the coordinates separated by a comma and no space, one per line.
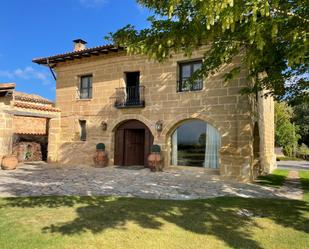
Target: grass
(275,179)
(304,179)
(110,222)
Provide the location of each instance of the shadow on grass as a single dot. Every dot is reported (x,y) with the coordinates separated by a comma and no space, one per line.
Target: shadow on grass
(276,179)
(304,179)
(217,217)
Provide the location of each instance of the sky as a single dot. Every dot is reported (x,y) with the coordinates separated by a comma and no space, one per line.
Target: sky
(39,28)
(189,132)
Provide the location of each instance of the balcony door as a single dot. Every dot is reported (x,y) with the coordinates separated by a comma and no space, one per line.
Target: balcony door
(132,88)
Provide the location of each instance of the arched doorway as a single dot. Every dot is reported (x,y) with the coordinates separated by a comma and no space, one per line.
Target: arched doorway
(133,141)
(256,152)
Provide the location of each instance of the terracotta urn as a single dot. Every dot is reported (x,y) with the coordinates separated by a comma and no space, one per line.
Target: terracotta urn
(155,159)
(9,162)
(100,158)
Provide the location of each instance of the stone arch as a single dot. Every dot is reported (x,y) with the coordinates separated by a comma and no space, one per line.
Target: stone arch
(123,118)
(181,119)
(257,170)
(171,126)
(120,133)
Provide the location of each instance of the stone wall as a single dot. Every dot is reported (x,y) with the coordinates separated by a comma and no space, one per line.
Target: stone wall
(27,151)
(26,117)
(267,132)
(219,103)
(54,141)
(6,127)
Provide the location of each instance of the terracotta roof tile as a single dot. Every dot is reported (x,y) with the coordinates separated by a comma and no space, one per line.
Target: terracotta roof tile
(31,98)
(36,107)
(30,133)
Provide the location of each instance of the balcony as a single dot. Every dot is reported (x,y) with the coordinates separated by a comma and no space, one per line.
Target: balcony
(130,97)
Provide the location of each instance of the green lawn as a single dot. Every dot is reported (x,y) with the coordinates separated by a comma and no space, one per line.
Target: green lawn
(275,179)
(304,179)
(110,222)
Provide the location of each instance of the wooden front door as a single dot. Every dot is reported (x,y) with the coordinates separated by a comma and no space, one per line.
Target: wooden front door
(134,147)
(133,141)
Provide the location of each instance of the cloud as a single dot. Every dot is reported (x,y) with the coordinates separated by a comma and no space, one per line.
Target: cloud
(28,73)
(92,3)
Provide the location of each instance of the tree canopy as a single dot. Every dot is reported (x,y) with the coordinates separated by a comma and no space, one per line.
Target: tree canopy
(272,33)
(286,133)
(301,119)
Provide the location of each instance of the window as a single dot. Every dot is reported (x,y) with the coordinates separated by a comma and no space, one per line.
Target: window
(85,89)
(132,88)
(186,70)
(83,133)
(196,143)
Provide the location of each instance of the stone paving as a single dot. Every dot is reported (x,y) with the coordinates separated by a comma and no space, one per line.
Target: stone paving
(44,179)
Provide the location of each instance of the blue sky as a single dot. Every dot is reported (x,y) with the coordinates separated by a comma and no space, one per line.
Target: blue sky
(38,28)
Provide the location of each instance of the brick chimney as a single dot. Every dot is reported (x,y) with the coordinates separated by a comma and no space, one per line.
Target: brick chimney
(79,44)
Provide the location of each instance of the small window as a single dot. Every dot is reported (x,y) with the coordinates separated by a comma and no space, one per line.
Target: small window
(83,133)
(186,70)
(85,89)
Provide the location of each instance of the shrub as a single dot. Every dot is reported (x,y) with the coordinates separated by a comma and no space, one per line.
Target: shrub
(303,152)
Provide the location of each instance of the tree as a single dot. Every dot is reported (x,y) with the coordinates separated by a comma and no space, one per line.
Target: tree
(272,33)
(202,139)
(286,133)
(301,118)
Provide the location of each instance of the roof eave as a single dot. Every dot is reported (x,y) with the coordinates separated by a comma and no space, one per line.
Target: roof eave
(77,54)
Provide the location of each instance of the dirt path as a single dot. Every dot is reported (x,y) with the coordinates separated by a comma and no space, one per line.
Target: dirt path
(291,188)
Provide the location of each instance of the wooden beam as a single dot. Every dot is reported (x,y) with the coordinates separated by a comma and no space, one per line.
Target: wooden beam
(31,114)
(69,58)
(95,53)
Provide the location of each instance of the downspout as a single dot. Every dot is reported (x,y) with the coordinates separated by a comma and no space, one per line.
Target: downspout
(51,70)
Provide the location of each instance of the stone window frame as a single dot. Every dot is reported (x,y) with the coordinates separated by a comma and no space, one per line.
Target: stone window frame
(179,72)
(83,129)
(90,92)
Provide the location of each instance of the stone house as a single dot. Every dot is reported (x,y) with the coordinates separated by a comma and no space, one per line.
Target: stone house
(24,124)
(130,102)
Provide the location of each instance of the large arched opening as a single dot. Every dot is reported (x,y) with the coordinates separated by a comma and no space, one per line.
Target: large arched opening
(195,143)
(256,151)
(133,141)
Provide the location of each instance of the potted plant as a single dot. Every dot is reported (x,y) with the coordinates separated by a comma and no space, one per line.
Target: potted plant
(155,159)
(9,162)
(100,158)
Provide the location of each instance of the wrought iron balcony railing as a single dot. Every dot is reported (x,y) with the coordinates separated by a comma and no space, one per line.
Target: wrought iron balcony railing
(132,96)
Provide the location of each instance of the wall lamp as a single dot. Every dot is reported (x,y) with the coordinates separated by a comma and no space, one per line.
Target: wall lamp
(104,125)
(159,125)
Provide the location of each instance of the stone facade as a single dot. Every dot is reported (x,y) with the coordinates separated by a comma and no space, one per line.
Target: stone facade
(28,151)
(267,133)
(25,116)
(6,127)
(218,103)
